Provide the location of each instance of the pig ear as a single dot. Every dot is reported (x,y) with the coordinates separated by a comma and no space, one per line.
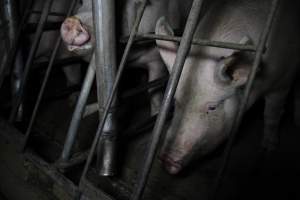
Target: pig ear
(167,49)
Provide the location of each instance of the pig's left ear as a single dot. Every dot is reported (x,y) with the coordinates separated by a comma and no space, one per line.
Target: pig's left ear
(167,49)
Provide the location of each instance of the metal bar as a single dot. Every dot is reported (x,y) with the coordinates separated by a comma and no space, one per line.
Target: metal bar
(75,160)
(115,86)
(58,63)
(49,26)
(77,115)
(36,12)
(6,64)
(37,38)
(152,84)
(237,120)
(45,80)
(105,58)
(182,53)
(201,42)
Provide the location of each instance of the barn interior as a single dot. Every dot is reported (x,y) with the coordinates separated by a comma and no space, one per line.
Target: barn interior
(47,96)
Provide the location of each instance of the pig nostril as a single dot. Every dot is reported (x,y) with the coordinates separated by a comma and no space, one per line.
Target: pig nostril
(173,167)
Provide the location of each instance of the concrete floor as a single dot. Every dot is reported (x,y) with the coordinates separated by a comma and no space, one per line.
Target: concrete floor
(13,174)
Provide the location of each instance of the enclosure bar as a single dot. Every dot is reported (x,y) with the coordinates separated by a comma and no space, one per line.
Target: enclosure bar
(106,61)
(237,120)
(57,14)
(45,80)
(77,115)
(121,67)
(201,42)
(34,47)
(13,49)
(182,53)
(158,83)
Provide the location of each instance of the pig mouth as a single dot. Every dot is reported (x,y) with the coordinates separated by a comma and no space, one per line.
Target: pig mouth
(73,33)
(173,167)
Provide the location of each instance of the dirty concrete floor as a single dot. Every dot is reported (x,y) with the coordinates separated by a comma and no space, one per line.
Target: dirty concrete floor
(13,183)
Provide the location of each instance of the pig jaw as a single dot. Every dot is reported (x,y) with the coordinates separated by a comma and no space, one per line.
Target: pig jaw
(74,34)
(188,140)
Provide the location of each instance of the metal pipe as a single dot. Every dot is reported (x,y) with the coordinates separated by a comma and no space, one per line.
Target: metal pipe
(77,115)
(105,57)
(237,120)
(201,42)
(57,14)
(37,38)
(115,86)
(7,63)
(45,80)
(182,53)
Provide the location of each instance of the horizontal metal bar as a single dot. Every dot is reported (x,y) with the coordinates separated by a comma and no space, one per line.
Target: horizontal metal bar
(73,161)
(201,42)
(57,14)
(49,26)
(57,63)
(152,84)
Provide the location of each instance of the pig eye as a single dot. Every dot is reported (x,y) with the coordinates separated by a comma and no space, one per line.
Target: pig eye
(211,107)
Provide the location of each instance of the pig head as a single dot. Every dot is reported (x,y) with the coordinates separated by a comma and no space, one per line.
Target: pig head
(206,99)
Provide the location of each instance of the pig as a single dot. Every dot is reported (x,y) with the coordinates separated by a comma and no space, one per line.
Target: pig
(213,79)
(78,35)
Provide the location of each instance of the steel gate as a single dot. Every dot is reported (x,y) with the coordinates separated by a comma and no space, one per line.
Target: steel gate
(185,44)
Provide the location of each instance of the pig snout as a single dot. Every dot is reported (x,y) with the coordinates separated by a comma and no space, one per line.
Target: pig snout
(73,32)
(171,163)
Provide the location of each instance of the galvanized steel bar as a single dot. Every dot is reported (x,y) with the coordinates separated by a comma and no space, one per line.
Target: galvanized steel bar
(46,77)
(34,47)
(115,87)
(201,42)
(105,58)
(236,123)
(182,53)
(79,109)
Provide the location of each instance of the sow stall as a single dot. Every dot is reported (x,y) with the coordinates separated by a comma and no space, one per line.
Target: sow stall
(104,64)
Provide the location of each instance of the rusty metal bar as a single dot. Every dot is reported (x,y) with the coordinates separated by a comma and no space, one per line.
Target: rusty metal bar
(237,120)
(105,58)
(115,86)
(77,115)
(200,42)
(182,53)
(45,80)
(34,47)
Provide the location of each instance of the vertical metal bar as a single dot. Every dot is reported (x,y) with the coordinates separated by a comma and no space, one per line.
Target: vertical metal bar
(236,123)
(115,86)
(37,38)
(7,63)
(182,53)
(105,57)
(77,115)
(45,80)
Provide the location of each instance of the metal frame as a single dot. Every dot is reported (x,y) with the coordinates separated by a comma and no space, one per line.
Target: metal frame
(185,43)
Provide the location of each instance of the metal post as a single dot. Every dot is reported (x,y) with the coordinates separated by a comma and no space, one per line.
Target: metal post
(236,123)
(45,80)
(105,57)
(182,53)
(37,38)
(77,115)
(114,90)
